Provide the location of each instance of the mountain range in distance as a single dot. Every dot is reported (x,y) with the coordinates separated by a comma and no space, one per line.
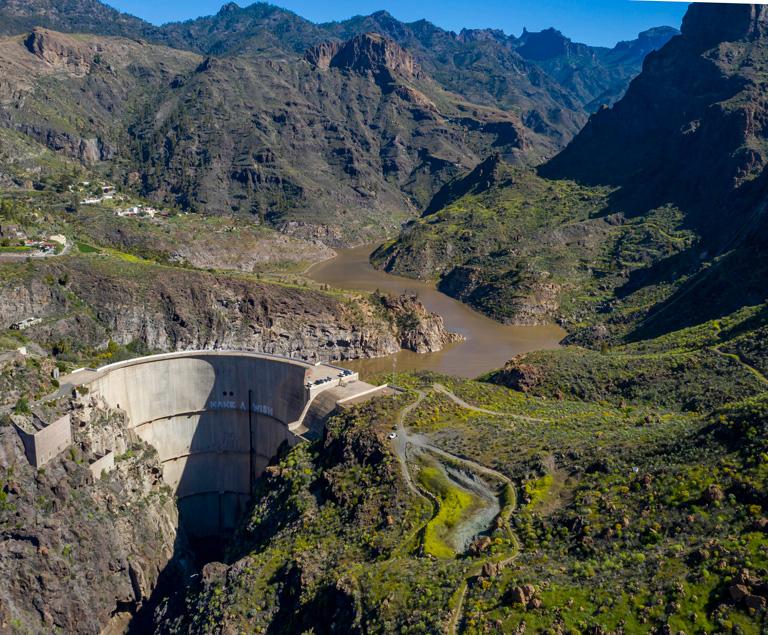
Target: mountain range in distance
(249,111)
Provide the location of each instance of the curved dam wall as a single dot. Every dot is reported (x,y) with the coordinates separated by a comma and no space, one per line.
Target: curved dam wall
(216,420)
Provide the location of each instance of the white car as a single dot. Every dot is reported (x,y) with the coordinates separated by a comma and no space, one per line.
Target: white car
(392,435)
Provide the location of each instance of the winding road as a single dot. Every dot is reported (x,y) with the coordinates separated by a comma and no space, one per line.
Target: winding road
(460,402)
(401,443)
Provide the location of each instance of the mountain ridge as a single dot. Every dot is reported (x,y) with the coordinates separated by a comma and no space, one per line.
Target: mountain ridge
(263,29)
(212,133)
(681,163)
(615,484)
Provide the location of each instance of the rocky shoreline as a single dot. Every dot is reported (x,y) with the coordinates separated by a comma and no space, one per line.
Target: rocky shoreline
(86,303)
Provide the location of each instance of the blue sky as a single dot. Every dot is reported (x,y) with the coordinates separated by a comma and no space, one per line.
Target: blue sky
(602,22)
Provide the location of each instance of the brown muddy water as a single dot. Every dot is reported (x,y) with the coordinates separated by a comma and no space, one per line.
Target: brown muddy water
(488,344)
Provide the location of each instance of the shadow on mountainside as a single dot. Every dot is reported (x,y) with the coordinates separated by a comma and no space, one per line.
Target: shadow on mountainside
(220,424)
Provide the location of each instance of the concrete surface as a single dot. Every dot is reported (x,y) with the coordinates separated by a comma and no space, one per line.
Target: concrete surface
(44,443)
(217,418)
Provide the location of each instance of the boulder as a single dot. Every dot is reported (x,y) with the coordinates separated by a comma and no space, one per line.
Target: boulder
(738,592)
(714,494)
(756,602)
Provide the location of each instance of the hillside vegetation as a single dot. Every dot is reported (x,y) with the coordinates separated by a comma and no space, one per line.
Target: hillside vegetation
(249,111)
(634,517)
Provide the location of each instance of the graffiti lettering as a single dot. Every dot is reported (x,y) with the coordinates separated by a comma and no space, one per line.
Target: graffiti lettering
(242,406)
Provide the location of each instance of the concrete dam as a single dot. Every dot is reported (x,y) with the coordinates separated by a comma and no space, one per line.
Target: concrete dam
(218,418)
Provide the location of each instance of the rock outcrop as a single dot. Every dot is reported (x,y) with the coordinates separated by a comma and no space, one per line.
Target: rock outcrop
(547,44)
(534,300)
(418,330)
(312,161)
(519,375)
(366,53)
(61,51)
(690,129)
(175,309)
(321,55)
(76,553)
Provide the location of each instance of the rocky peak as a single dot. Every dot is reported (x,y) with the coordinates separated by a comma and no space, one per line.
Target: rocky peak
(708,25)
(658,33)
(690,129)
(368,52)
(382,15)
(321,55)
(230,7)
(647,41)
(546,45)
(59,50)
(484,35)
(486,174)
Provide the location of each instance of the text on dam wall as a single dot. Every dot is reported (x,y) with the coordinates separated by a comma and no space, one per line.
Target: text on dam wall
(233,405)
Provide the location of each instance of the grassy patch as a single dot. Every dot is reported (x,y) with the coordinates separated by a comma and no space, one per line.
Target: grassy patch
(538,490)
(85,248)
(454,504)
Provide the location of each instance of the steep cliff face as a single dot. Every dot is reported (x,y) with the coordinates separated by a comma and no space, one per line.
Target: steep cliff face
(343,145)
(690,135)
(60,51)
(417,329)
(596,76)
(285,141)
(87,302)
(660,199)
(272,584)
(371,52)
(74,94)
(77,553)
(691,128)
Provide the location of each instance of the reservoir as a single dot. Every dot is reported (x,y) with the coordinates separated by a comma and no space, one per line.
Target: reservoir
(488,344)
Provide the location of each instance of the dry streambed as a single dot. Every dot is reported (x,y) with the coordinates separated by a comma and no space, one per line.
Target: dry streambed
(468,497)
